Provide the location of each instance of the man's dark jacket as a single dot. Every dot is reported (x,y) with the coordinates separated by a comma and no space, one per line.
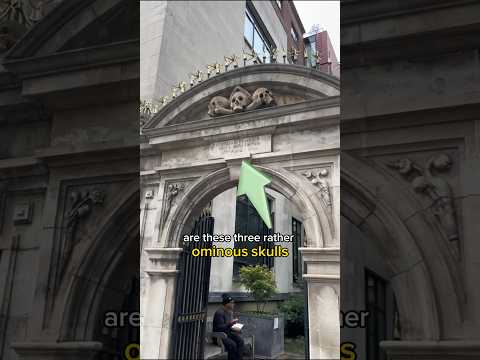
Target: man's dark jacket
(221,321)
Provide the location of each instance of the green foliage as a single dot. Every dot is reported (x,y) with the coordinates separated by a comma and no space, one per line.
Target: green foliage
(294,310)
(260,282)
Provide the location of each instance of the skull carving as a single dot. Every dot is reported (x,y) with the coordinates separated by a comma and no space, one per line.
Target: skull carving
(262,97)
(219,105)
(240,99)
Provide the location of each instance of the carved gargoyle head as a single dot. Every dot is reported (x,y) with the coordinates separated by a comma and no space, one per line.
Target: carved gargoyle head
(442,162)
(240,99)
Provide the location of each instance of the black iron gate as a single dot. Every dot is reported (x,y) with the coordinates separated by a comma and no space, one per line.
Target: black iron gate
(192,296)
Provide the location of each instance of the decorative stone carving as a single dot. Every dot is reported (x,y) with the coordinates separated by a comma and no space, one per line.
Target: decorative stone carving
(240,100)
(147,111)
(171,192)
(219,106)
(16,17)
(262,97)
(22,213)
(81,205)
(318,178)
(426,180)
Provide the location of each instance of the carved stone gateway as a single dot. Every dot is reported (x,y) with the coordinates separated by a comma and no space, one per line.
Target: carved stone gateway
(299,108)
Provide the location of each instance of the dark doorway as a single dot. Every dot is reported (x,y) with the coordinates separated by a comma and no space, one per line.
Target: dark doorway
(119,324)
(248,222)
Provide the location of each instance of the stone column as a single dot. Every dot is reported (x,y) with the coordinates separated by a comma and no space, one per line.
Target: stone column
(323,287)
(159,307)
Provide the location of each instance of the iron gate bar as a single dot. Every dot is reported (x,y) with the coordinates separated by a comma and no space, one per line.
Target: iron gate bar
(192,296)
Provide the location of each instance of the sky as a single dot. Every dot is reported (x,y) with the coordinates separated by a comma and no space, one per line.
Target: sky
(324,13)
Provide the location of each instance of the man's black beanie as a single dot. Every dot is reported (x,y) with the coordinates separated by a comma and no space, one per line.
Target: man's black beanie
(226,298)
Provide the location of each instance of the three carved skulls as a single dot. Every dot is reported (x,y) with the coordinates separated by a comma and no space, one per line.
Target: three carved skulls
(240,100)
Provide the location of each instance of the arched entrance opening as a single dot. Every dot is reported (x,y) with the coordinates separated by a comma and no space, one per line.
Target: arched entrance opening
(103,302)
(223,275)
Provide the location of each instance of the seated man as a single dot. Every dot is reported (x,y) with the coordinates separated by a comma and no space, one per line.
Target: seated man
(222,322)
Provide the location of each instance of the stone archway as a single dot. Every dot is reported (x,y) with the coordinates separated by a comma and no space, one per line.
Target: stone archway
(421,268)
(295,143)
(93,288)
(290,184)
(114,250)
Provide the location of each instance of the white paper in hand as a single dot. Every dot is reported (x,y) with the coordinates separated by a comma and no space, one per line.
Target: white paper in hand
(237,327)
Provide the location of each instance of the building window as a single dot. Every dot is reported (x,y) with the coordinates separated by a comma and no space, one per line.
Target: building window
(375,301)
(248,222)
(294,34)
(297,242)
(256,38)
(310,47)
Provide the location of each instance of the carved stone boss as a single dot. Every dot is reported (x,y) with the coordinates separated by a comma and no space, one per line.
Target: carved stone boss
(240,100)
(171,193)
(427,180)
(319,179)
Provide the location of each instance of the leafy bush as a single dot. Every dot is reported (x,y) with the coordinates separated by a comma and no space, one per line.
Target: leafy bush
(260,282)
(294,310)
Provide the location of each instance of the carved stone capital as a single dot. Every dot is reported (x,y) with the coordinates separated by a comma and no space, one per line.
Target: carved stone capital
(323,264)
(162,262)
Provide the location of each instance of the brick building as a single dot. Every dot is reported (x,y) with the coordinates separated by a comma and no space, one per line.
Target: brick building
(319,46)
(293,26)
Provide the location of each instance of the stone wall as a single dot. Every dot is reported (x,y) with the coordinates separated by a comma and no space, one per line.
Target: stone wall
(68,108)
(409,118)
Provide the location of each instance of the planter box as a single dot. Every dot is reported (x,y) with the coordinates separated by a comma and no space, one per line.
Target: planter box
(268,331)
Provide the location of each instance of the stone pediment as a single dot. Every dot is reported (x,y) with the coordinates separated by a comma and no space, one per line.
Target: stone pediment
(58,40)
(287,85)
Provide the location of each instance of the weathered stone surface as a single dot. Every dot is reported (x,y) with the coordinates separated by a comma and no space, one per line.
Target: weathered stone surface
(69,177)
(410,150)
